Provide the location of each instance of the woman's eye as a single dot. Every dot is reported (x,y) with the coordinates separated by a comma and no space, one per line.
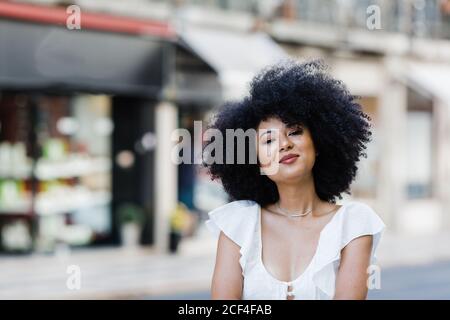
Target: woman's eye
(296,132)
(268,141)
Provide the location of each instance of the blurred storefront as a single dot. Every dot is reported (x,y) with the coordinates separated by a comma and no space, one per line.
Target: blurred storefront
(77,115)
(55,170)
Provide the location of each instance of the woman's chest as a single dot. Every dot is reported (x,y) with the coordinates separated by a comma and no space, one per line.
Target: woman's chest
(287,251)
(260,285)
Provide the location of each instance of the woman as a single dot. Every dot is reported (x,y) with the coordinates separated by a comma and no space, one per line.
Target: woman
(283,236)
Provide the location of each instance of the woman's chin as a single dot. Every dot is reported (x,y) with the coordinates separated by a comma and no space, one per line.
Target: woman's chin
(289,176)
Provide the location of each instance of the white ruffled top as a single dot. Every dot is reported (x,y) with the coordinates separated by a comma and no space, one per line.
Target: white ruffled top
(241,222)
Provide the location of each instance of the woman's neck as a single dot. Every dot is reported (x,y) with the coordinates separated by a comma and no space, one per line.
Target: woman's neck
(298,197)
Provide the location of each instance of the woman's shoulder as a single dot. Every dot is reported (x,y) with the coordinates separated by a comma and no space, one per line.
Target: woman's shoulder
(358,218)
(236,219)
(234,206)
(359,211)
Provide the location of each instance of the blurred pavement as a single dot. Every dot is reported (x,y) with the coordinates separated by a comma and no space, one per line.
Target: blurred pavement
(119,273)
(423,282)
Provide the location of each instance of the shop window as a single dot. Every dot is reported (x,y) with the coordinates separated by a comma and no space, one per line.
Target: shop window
(55,171)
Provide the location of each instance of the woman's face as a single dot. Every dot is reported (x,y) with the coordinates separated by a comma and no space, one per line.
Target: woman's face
(286,154)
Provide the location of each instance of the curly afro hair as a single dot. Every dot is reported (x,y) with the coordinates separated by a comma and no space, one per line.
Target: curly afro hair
(297,94)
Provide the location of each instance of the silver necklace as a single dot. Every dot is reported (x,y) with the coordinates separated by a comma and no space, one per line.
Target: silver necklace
(292,215)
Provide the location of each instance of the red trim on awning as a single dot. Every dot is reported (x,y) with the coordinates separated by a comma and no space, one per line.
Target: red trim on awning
(93,21)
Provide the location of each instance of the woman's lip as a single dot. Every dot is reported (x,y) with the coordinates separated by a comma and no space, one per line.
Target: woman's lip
(289,158)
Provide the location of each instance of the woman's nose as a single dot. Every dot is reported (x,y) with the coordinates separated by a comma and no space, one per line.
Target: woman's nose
(285,143)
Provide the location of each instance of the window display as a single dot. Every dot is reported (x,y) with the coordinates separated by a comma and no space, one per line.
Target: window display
(55,170)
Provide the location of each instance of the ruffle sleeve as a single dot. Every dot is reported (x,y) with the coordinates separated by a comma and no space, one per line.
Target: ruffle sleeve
(354,220)
(237,220)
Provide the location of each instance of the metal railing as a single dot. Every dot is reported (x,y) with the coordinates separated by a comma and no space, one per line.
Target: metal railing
(420,18)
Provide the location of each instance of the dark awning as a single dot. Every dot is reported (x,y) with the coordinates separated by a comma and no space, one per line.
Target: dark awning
(108,55)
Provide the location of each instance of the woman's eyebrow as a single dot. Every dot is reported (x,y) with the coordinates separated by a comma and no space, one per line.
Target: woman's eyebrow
(265,132)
